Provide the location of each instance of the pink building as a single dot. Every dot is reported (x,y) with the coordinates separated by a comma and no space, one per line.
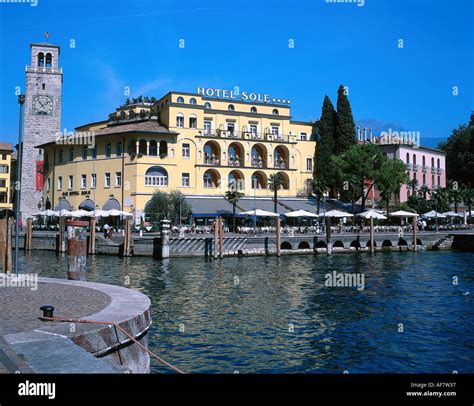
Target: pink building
(426,165)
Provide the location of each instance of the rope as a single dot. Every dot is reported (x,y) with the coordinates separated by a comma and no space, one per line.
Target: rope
(84,321)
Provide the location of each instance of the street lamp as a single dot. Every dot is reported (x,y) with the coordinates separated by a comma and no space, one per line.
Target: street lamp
(21,102)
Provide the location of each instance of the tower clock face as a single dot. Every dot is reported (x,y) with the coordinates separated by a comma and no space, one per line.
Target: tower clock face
(42,105)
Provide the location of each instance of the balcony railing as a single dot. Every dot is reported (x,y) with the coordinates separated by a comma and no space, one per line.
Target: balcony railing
(433,169)
(248,135)
(235,161)
(408,166)
(212,161)
(439,170)
(281,165)
(415,167)
(424,168)
(42,69)
(258,163)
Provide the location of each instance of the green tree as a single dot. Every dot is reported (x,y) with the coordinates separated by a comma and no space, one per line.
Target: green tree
(424,191)
(359,165)
(274,183)
(468,199)
(459,150)
(392,175)
(439,200)
(345,135)
(325,129)
(233,196)
(319,188)
(455,196)
(166,205)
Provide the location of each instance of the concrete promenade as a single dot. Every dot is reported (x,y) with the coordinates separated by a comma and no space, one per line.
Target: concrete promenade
(28,344)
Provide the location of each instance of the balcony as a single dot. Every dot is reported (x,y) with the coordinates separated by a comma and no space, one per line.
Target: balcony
(439,170)
(408,166)
(212,161)
(258,163)
(415,167)
(424,168)
(235,161)
(433,169)
(248,135)
(281,165)
(42,69)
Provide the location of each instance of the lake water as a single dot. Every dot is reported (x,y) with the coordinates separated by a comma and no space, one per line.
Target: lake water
(275,315)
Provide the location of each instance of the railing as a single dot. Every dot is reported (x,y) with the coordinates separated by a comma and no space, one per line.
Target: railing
(439,170)
(258,163)
(42,69)
(424,168)
(415,167)
(281,165)
(151,180)
(433,169)
(212,161)
(408,166)
(248,135)
(235,161)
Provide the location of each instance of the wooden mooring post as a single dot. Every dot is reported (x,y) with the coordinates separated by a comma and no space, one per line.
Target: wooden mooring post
(6,244)
(28,235)
(127,240)
(61,243)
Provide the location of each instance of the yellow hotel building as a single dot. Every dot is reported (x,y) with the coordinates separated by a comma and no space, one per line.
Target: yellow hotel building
(197,143)
(6,195)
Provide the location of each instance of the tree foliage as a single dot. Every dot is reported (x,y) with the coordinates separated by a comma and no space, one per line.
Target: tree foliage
(345,135)
(274,183)
(166,205)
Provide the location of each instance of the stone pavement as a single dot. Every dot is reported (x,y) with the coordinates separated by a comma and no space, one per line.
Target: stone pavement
(28,344)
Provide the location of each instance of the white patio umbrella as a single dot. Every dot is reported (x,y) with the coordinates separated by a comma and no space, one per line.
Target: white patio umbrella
(300,213)
(453,214)
(63,213)
(101,213)
(402,213)
(372,214)
(434,214)
(82,213)
(259,213)
(337,214)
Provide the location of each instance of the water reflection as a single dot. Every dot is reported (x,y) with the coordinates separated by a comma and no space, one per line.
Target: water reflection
(275,315)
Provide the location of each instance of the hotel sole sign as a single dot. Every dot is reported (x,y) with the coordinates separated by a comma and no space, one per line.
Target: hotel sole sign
(238,95)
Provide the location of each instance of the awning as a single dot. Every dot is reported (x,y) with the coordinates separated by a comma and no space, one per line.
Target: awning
(63,205)
(210,206)
(87,204)
(248,204)
(111,204)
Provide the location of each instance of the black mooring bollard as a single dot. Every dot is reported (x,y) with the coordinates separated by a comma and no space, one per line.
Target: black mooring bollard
(47,310)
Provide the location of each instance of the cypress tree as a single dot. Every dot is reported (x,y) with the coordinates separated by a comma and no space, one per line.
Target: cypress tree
(325,146)
(345,135)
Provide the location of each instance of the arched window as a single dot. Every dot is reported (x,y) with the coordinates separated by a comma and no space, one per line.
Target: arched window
(423,160)
(438,164)
(118,149)
(408,158)
(49,60)
(156,176)
(123,115)
(131,114)
(432,163)
(253,109)
(163,149)
(193,121)
(84,152)
(192,100)
(230,107)
(414,159)
(180,99)
(108,150)
(41,60)
(207,105)
(180,120)
(60,156)
(211,178)
(275,111)
(153,148)
(132,147)
(71,153)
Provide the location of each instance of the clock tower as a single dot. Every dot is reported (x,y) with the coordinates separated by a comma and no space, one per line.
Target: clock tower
(42,121)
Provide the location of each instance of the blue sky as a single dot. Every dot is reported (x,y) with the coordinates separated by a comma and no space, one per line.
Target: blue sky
(245,44)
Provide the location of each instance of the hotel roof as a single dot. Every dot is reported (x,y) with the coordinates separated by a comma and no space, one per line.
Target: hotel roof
(146,126)
(6,146)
